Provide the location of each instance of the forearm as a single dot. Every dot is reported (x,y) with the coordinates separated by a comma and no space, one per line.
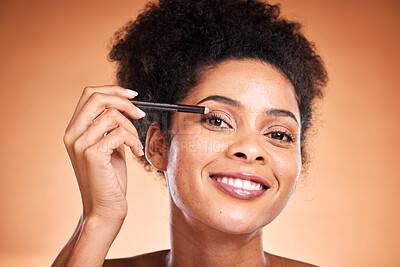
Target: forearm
(94,242)
(91,244)
(65,253)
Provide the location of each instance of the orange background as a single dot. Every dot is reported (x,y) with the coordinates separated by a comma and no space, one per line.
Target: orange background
(346,214)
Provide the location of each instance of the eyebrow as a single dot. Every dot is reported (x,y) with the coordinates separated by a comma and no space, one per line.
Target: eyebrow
(232,102)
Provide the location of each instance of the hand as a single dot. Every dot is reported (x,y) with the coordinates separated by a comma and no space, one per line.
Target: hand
(95,139)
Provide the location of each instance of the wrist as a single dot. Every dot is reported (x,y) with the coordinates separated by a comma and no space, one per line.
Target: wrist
(95,239)
(95,222)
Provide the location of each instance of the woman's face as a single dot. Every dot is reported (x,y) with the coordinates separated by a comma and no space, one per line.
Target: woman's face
(235,169)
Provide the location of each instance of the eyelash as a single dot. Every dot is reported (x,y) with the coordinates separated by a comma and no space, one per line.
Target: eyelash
(214,116)
(289,136)
(207,118)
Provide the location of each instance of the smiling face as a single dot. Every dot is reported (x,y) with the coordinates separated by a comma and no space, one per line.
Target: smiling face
(234,169)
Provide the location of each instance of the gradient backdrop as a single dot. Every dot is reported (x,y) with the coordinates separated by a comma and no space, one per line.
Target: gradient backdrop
(347,214)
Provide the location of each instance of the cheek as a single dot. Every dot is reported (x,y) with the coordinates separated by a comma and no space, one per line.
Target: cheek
(188,155)
(194,150)
(286,168)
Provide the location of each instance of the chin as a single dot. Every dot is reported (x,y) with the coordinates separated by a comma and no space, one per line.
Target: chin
(236,222)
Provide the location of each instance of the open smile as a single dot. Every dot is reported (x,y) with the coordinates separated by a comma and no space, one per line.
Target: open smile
(240,185)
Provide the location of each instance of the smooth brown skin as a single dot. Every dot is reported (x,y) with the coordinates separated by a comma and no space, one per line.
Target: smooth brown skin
(208,227)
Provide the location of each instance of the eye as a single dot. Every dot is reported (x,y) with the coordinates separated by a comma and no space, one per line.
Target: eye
(282,136)
(215,120)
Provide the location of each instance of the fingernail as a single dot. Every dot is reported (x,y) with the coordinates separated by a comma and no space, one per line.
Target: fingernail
(141,112)
(131,93)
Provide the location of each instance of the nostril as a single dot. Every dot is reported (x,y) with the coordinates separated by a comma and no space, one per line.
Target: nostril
(240,155)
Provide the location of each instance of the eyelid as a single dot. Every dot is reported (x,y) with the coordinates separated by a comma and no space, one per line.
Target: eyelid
(227,117)
(290,139)
(230,124)
(206,119)
(284,130)
(281,125)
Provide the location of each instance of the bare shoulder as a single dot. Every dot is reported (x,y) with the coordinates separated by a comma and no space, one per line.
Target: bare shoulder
(278,261)
(153,259)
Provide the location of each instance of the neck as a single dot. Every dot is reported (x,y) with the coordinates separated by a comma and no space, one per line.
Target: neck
(194,243)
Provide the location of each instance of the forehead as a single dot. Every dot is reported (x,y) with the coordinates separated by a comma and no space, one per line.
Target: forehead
(257,85)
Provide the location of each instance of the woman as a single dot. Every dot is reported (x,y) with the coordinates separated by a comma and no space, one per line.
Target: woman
(230,172)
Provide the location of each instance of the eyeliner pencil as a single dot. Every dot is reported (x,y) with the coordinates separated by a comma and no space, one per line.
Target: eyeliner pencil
(171,107)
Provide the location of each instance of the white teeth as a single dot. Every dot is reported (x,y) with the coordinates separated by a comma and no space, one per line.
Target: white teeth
(239,183)
(247,185)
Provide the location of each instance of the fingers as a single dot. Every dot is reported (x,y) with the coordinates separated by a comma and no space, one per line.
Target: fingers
(111,90)
(95,106)
(104,148)
(108,121)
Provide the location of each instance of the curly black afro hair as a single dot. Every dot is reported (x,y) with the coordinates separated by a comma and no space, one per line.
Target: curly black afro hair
(162,54)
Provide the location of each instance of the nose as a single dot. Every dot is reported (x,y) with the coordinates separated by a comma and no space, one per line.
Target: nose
(247,149)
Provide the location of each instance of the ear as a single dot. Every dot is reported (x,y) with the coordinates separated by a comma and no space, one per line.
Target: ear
(156,147)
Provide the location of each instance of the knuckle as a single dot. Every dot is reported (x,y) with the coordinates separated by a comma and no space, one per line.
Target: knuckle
(67,138)
(113,112)
(88,153)
(88,90)
(78,145)
(97,96)
(113,116)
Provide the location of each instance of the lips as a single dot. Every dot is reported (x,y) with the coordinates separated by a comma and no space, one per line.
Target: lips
(240,185)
